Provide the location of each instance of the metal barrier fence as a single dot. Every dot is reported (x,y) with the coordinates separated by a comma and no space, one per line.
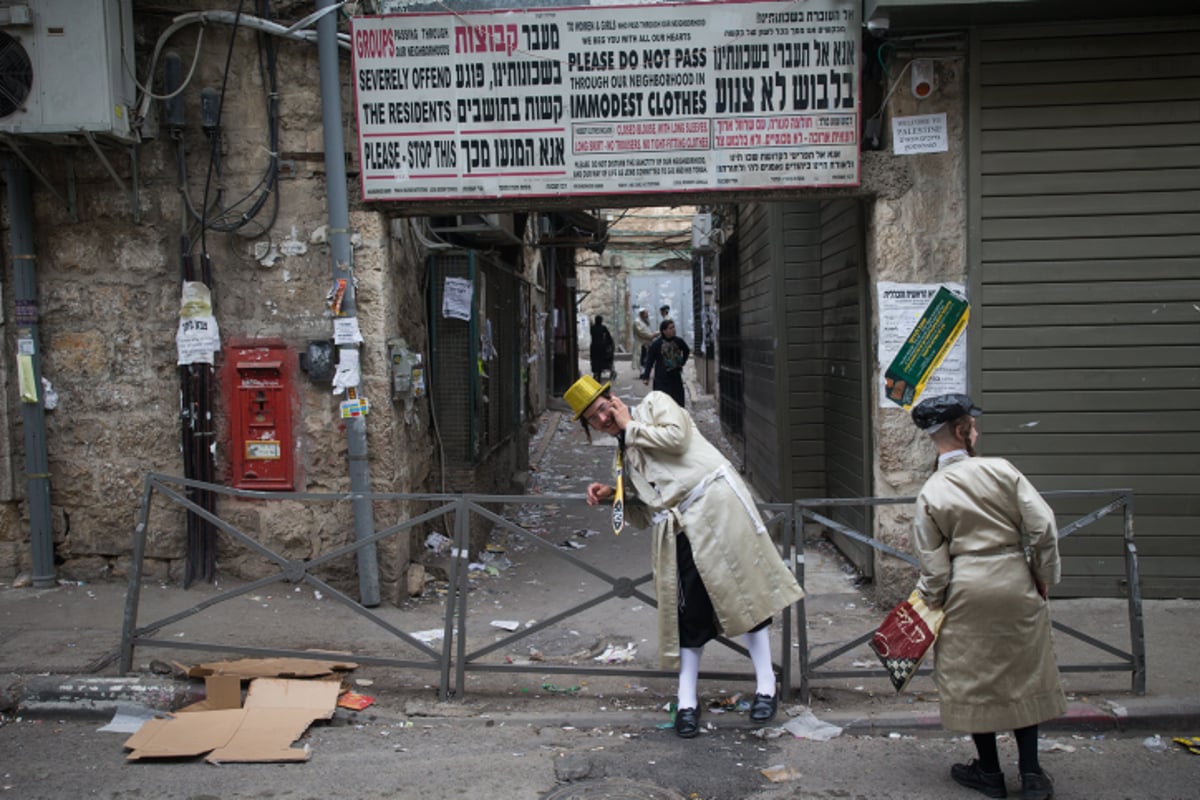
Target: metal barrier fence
(453,654)
(1133,661)
(786,520)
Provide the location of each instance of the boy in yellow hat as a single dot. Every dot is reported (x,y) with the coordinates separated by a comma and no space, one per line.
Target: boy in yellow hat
(716,569)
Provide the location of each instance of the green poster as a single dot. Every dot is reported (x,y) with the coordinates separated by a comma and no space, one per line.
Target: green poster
(931,338)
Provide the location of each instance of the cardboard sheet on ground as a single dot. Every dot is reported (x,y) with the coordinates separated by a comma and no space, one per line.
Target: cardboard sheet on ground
(276,713)
(247,668)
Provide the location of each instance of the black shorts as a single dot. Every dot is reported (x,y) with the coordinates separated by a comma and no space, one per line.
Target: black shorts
(697,619)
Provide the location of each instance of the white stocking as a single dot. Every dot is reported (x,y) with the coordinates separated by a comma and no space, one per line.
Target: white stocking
(689,675)
(759,644)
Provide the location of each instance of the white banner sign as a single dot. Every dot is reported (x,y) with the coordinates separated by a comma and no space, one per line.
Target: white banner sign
(607,100)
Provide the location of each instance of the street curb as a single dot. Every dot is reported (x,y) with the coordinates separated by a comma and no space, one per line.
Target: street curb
(1131,714)
(68,696)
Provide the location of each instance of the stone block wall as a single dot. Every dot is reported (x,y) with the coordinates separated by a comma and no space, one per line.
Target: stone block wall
(109,291)
(917,233)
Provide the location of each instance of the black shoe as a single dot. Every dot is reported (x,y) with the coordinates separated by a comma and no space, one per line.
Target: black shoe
(763,708)
(972,777)
(687,723)
(1036,786)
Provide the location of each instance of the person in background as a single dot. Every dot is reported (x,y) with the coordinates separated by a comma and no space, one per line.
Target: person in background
(602,350)
(987,545)
(666,357)
(643,334)
(716,569)
(664,314)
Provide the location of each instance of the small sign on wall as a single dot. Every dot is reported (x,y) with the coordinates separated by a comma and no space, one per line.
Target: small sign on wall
(923,134)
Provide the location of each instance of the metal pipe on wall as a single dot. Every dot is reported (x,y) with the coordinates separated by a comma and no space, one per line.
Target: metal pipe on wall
(33,414)
(341,253)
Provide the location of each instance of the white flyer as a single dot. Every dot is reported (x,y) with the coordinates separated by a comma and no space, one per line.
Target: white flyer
(923,134)
(456,298)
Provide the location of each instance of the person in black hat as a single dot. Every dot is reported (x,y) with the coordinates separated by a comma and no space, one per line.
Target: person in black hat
(976,519)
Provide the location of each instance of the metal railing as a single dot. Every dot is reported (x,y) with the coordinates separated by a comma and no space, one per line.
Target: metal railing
(1133,661)
(454,655)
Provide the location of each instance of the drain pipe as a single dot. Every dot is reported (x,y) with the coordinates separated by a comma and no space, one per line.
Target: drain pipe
(341,253)
(33,415)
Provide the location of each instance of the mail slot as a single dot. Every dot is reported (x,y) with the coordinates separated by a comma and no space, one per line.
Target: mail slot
(259,399)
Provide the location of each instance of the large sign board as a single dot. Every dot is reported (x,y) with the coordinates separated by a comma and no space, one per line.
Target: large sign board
(615,100)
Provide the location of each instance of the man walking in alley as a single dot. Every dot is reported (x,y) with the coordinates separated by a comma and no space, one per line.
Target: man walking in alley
(716,568)
(643,333)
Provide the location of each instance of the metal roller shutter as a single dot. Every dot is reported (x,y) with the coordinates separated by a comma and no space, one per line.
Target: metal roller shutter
(1085,189)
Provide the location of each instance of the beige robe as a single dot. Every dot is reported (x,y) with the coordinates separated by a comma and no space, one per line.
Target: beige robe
(995,667)
(678,482)
(643,332)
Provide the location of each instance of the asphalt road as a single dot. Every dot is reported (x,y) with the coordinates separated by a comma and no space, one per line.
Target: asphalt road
(619,756)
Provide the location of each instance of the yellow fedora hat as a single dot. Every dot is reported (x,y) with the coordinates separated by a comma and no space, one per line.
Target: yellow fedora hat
(583,393)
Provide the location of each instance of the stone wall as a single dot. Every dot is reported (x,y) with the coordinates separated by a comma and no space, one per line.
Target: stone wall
(916,233)
(109,299)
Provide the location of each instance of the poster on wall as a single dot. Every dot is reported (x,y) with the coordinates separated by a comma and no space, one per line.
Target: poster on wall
(922,341)
(596,101)
(927,133)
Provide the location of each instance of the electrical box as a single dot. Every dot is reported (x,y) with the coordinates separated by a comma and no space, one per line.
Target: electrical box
(259,391)
(702,232)
(408,375)
(66,68)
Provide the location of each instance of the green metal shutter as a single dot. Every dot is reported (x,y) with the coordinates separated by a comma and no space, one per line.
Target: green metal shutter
(1085,234)
(759,267)
(844,357)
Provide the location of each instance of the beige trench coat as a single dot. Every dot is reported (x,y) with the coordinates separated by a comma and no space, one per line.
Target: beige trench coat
(642,331)
(995,667)
(676,481)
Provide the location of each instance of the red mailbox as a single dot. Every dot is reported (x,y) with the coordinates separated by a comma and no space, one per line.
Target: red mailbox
(259,378)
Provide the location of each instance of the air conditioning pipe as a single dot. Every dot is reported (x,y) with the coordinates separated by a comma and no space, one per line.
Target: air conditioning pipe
(33,415)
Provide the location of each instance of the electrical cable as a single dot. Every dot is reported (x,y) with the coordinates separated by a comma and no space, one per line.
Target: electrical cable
(238,217)
(266,188)
(429,243)
(203,17)
(217,132)
(202,555)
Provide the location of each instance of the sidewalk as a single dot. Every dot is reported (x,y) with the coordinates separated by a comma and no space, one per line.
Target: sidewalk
(58,647)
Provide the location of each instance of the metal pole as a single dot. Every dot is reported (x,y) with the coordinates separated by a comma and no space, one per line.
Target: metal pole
(801,607)
(134,593)
(1137,631)
(340,251)
(33,415)
(551,327)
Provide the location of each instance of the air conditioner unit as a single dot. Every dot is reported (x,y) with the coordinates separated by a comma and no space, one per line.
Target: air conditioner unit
(66,66)
(481,228)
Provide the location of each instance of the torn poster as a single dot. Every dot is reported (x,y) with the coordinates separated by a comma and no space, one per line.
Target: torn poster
(347,375)
(901,308)
(198,336)
(29,392)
